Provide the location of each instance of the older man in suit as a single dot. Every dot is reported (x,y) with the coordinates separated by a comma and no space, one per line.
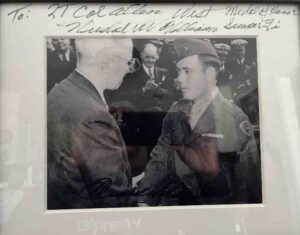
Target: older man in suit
(150,88)
(206,153)
(87,160)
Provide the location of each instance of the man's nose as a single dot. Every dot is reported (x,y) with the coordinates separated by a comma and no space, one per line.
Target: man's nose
(181,77)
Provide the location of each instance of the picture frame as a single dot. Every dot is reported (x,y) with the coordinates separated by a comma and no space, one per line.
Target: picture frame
(24,28)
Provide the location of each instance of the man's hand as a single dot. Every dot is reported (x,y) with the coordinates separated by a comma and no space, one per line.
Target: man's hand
(150,85)
(201,156)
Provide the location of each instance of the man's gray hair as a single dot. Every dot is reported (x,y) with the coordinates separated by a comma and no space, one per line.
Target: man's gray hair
(150,44)
(89,47)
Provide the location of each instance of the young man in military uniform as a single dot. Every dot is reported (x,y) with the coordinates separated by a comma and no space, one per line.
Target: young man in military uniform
(206,153)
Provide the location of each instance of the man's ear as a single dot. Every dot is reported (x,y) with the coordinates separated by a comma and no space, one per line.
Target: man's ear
(210,72)
(211,75)
(105,62)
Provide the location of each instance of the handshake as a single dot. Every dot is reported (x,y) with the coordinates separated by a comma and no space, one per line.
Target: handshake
(200,152)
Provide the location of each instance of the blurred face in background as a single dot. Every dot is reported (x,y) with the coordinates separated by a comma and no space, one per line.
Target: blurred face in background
(240,51)
(61,44)
(50,46)
(149,55)
(222,56)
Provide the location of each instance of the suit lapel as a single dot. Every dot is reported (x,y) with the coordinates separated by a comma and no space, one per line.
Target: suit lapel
(82,82)
(157,74)
(145,74)
(142,76)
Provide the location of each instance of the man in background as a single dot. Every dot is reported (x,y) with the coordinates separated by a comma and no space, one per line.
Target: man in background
(242,71)
(150,87)
(87,160)
(243,79)
(223,81)
(61,61)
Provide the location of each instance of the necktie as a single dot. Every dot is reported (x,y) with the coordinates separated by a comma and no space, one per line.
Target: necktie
(63,57)
(66,58)
(151,74)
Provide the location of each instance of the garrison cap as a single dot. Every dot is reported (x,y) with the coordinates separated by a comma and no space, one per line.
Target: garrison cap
(187,47)
(222,48)
(238,43)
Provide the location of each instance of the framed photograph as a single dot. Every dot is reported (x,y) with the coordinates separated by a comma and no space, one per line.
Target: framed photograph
(143,118)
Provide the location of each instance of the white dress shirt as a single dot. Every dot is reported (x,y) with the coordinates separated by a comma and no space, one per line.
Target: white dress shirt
(148,72)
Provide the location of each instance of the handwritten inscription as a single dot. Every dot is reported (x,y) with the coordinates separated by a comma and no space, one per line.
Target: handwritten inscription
(116,27)
(191,12)
(84,11)
(176,27)
(20,13)
(267,24)
(235,10)
(169,27)
(105,18)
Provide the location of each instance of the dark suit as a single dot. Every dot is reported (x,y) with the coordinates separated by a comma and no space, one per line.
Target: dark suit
(85,148)
(58,69)
(132,90)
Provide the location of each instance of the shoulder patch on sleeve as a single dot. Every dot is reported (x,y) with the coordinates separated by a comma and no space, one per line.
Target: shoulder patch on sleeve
(245,127)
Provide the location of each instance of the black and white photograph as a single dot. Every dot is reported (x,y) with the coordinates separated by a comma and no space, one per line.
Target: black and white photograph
(145,122)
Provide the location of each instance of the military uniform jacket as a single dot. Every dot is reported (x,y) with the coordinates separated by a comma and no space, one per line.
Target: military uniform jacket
(87,161)
(239,180)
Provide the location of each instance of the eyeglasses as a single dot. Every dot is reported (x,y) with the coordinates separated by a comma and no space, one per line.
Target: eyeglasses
(133,64)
